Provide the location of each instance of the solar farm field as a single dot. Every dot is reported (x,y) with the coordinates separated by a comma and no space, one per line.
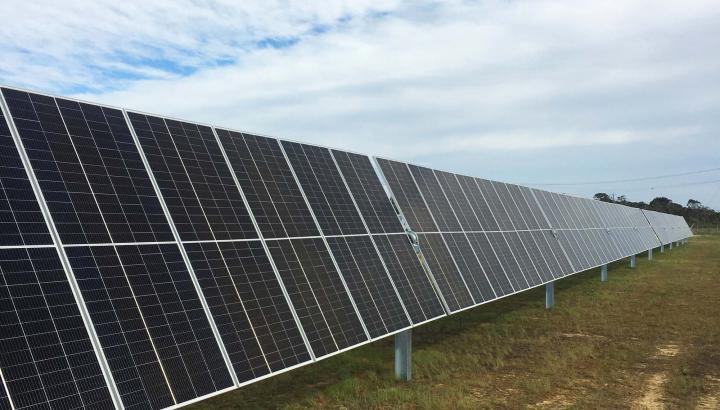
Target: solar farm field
(648,337)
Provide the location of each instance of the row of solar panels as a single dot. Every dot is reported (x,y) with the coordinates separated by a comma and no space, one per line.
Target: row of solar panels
(669,228)
(147,262)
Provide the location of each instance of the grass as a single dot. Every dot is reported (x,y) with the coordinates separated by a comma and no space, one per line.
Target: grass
(601,347)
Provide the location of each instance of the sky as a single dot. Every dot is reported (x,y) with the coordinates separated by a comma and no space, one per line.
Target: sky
(574,97)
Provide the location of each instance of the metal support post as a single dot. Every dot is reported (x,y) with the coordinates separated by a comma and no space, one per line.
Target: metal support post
(549,295)
(603,273)
(403,355)
(650,254)
(662,248)
(671,245)
(633,263)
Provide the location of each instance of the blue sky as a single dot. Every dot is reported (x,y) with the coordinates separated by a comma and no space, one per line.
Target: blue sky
(536,92)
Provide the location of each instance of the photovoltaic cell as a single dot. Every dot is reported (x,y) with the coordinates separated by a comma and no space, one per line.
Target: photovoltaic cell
(369,284)
(505,254)
(195,180)
(46,356)
(322,304)
(21,222)
(324,187)
(412,282)
(474,273)
(269,186)
(165,299)
(369,194)
(249,308)
(527,267)
(449,279)
(494,269)
(493,200)
(408,196)
(458,201)
(481,208)
(435,199)
(120,328)
(61,178)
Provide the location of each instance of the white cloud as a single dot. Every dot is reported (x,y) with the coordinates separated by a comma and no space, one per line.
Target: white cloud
(423,79)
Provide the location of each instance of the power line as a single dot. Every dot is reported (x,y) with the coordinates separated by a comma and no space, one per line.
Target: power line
(688,184)
(702,171)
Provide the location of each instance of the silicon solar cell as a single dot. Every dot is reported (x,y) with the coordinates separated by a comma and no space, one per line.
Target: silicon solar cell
(46,355)
(412,282)
(324,187)
(446,273)
(379,304)
(21,221)
(147,290)
(194,179)
(269,186)
(369,194)
(253,316)
(323,306)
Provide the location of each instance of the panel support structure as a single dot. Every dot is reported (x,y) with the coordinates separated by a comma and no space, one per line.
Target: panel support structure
(403,355)
(633,262)
(603,273)
(662,248)
(671,244)
(650,255)
(549,295)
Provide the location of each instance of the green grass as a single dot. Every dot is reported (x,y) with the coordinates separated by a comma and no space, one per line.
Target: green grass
(596,349)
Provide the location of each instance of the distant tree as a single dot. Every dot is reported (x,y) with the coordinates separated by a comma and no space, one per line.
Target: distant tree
(602,196)
(695,204)
(661,201)
(621,199)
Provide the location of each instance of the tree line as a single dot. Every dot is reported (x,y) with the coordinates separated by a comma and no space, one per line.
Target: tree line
(694,211)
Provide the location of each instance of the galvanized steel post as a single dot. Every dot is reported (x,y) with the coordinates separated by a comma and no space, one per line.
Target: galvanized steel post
(403,355)
(603,273)
(633,262)
(650,254)
(549,295)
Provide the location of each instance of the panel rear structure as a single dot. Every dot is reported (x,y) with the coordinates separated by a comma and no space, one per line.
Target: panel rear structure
(253,317)
(148,316)
(482,239)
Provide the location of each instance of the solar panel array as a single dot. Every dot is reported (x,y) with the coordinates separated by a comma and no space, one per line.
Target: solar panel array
(148,262)
(669,228)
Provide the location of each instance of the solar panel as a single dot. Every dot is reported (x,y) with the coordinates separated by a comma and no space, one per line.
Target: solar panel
(492,239)
(46,356)
(281,212)
(249,306)
(321,302)
(244,294)
(668,228)
(358,260)
(364,272)
(150,322)
(412,282)
(21,221)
